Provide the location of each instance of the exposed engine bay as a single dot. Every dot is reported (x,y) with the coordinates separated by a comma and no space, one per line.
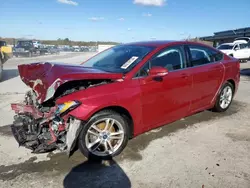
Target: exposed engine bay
(47,126)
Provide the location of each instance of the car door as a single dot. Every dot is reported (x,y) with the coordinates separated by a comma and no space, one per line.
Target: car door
(242,52)
(207,72)
(167,99)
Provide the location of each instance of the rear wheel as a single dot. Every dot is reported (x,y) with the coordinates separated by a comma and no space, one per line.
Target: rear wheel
(104,136)
(225,97)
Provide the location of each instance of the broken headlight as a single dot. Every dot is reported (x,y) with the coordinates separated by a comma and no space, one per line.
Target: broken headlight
(67,106)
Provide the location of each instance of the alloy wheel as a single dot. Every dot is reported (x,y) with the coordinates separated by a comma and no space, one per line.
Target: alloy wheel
(104,137)
(226,97)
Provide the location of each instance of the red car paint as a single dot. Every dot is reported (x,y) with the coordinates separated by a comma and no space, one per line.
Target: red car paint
(45,78)
(149,103)
(22,108)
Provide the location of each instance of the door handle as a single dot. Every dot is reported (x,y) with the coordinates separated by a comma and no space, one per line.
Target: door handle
(217,68)
(185,76)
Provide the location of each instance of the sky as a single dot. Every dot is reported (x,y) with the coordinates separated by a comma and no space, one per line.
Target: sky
(120,20)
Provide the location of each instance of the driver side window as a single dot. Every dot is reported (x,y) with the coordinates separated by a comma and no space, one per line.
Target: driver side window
(171,58)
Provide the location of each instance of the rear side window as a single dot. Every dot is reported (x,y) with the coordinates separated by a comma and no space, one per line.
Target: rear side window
(215,55)
(201,55)
(242,46)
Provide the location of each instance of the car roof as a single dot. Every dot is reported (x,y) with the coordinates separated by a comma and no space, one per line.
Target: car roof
(240,42)
(162,43)
(156,43)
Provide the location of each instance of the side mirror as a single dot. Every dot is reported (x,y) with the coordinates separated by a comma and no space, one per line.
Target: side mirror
(237,48)
(158,72)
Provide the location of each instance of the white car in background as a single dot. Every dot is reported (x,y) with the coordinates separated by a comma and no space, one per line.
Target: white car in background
(37,44)
(239,49)
(76,48)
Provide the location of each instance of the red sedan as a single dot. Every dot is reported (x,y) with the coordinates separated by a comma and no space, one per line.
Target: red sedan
(120,93)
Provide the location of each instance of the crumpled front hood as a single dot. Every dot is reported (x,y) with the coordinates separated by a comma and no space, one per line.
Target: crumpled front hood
(45,77)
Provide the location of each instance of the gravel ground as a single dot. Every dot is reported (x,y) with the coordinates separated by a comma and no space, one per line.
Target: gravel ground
(204,150)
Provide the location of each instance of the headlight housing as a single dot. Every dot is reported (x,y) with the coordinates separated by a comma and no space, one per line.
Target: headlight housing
(67,106)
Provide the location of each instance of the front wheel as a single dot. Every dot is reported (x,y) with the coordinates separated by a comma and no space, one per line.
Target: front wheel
(225,97)
(104,136)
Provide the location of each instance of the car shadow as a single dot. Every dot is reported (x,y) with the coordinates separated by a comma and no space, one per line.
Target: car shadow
(97,174)
(9,74)
(245,72)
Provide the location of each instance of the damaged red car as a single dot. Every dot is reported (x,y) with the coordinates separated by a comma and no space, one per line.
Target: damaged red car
(122,92)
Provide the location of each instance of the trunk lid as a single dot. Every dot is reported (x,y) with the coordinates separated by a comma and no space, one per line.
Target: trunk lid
(45,77)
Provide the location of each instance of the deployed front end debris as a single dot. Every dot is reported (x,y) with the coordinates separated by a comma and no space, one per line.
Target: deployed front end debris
(44,131)
(42,125)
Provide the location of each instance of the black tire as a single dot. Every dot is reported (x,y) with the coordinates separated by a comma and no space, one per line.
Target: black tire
(100,115)
(217,107)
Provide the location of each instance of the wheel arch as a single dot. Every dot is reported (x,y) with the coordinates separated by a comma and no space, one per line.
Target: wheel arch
(231,81)
(124,113)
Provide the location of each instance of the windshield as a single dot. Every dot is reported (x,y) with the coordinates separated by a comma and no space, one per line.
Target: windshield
(119,59)
(24,43)
(225,47)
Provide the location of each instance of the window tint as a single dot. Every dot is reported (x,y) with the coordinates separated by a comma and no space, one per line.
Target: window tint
(144,70)
(242,46)
(201,55)
(215,55)
(24,43)
(225,47)
(118,59)
(171,58)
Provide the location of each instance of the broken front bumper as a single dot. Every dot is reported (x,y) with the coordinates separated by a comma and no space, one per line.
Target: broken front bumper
(31,141)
